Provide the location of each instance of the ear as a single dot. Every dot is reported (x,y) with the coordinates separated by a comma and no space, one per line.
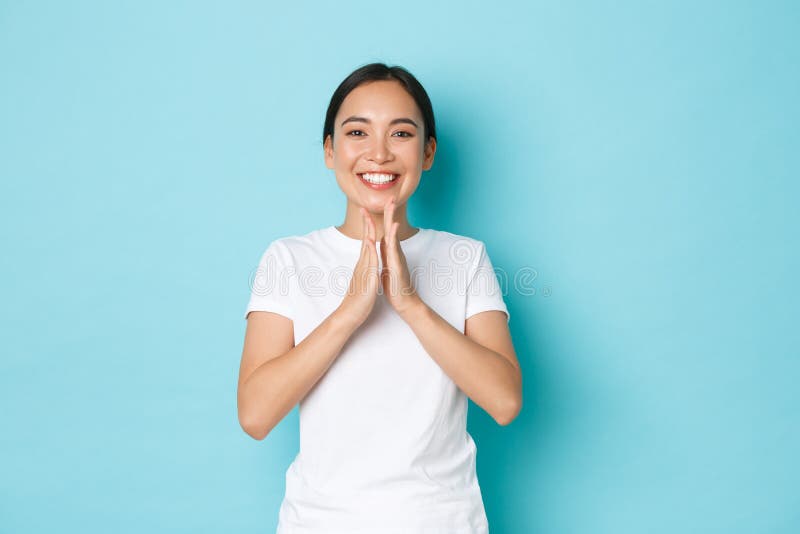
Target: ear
(430,150)
(328,150)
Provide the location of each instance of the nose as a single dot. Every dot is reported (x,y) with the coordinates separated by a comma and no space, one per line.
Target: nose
(379,151)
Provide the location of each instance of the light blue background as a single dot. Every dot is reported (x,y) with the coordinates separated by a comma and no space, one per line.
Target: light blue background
(641,157)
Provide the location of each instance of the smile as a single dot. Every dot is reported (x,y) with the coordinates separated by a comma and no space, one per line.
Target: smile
(378,180)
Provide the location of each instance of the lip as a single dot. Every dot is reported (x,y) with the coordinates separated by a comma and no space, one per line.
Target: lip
(379,171)
(379,187)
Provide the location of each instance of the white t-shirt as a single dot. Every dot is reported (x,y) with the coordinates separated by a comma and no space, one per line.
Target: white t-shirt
(383,440)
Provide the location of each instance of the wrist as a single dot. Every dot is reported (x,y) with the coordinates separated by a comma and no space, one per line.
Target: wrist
(344,320)
(414,309)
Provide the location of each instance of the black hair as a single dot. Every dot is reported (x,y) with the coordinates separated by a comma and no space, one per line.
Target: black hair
(379,72)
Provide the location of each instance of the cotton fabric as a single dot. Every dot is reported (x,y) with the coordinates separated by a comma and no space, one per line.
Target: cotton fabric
(383,441)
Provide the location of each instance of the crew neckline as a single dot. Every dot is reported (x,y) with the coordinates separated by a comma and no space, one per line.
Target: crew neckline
(339,236)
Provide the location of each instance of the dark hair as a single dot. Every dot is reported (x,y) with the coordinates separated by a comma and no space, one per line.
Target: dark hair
(379,72)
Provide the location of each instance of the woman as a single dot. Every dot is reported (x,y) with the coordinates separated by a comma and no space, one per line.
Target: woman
(380,331)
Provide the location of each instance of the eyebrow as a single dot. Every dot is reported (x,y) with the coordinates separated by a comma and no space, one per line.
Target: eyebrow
(405,120)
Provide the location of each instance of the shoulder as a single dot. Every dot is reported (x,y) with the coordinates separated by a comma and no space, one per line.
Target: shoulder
(296,242)
(459,248)
(451,237)
(287,247)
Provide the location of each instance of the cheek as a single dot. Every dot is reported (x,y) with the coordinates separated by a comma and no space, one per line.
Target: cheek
(346,153)
(412,153)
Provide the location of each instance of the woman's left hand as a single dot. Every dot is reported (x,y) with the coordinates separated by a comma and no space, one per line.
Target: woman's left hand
(395,278)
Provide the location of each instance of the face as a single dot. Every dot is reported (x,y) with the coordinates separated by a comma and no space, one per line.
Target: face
(378,129)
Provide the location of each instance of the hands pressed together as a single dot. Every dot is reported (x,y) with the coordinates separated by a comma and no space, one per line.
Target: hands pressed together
(394,277)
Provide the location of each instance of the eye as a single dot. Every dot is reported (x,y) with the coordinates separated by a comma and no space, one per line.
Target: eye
(351,132)
(405,134)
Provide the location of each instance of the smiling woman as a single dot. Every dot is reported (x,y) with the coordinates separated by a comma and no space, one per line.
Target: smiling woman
(382,370)
(372,133)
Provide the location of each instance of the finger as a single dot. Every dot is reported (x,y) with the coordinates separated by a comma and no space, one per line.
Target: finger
(388,217)
(373,255)
(395,241)
(363,235)
(384,246)
(370,225)
(374,266)
(395,252)
(398,257)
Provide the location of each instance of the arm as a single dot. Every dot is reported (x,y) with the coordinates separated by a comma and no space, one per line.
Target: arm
(275,375)
(481,361)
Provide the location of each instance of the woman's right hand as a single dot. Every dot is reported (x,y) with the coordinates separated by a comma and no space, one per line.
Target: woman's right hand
(363,291)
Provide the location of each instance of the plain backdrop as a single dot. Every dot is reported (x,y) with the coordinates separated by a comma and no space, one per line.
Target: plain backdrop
(639,160)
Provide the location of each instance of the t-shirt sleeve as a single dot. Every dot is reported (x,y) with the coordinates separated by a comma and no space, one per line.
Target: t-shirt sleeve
(270,288)
(484,292)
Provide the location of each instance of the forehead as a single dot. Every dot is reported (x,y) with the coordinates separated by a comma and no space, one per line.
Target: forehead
(383,99)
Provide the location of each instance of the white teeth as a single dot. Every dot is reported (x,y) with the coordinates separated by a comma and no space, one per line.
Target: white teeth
(378,178)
